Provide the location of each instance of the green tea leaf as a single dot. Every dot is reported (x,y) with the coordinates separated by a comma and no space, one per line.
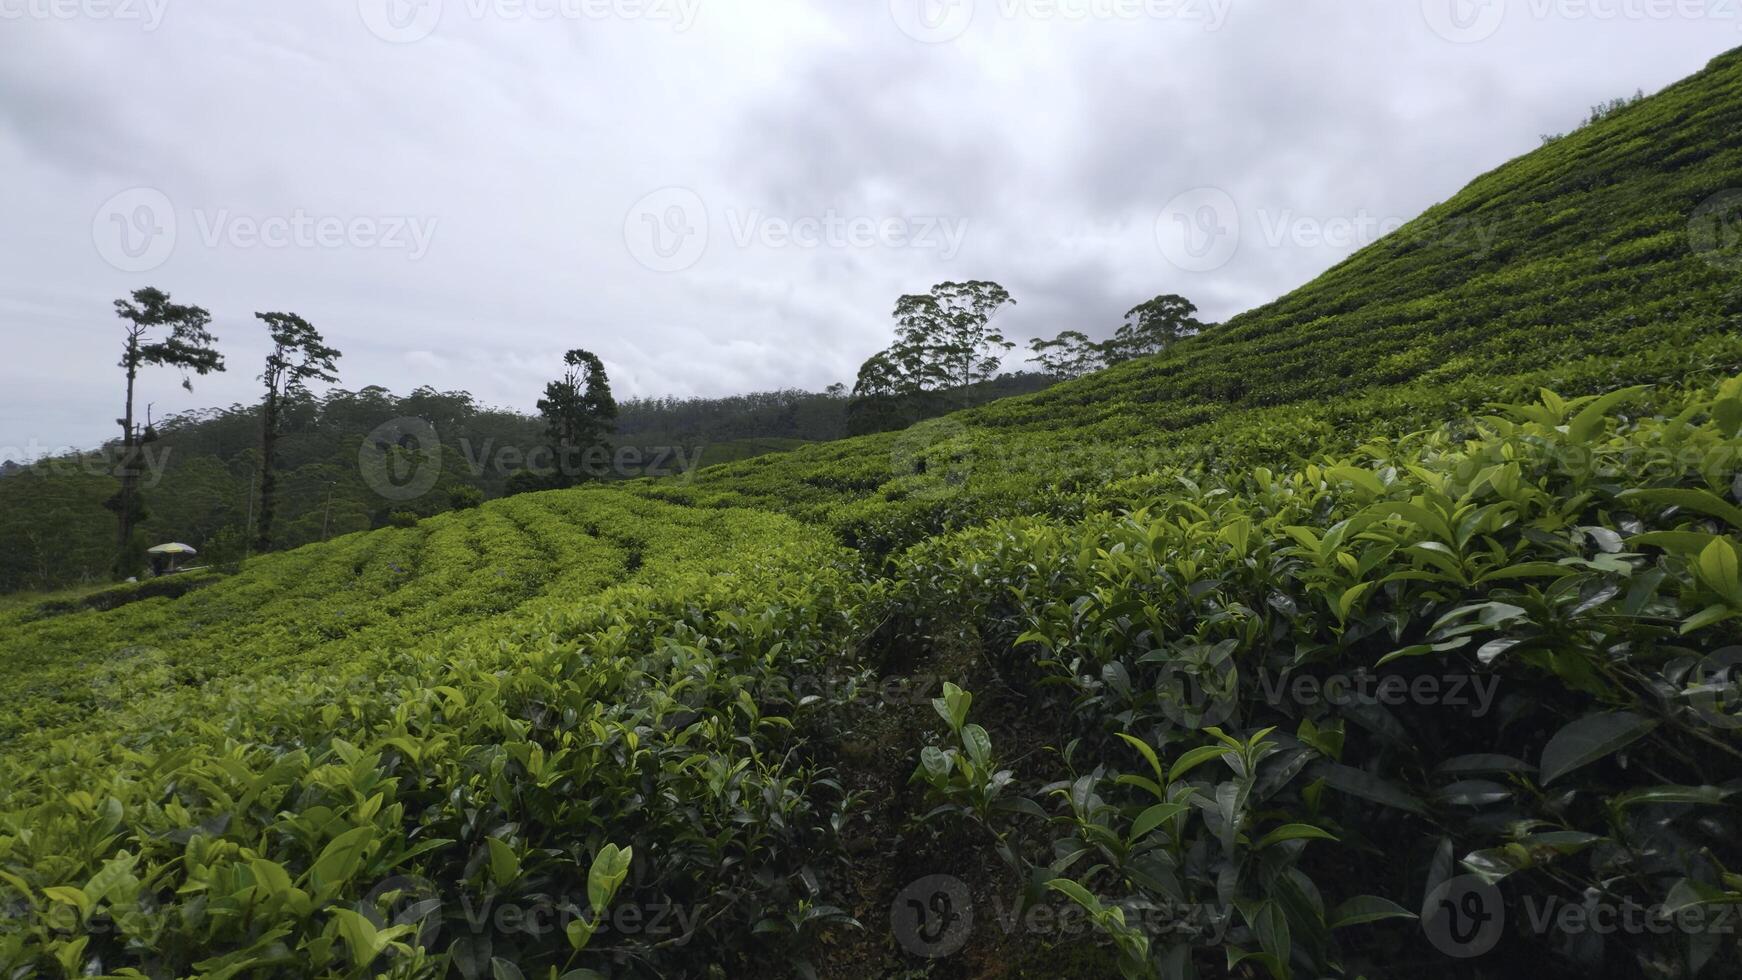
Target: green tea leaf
(1363,909)
(1588,739)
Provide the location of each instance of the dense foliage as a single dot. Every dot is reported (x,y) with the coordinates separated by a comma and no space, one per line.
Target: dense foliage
(1263,656)
(1491,655)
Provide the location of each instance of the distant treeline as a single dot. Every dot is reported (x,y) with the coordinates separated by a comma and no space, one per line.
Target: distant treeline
(787,414)
(201,471)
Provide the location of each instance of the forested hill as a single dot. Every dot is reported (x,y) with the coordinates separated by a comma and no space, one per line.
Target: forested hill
(1388,630)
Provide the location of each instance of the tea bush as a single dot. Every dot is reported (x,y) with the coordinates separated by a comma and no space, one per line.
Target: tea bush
(356,817)
(1419,581)
(1522,624)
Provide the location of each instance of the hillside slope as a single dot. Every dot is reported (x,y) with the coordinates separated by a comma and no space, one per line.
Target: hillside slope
(590,734)
(1576,267)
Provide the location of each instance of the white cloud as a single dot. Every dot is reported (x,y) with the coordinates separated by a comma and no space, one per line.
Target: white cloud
(520,143)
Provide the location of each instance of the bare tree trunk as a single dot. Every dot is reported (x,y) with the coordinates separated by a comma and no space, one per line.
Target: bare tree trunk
(128,470)
(268,479)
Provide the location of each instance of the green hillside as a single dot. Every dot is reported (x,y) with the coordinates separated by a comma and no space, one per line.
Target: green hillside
(1080,662)
(1572,267)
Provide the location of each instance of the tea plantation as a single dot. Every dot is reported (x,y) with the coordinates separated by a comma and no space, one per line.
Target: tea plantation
(1386,630)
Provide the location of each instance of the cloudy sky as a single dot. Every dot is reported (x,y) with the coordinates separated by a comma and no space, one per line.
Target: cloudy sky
(727,195)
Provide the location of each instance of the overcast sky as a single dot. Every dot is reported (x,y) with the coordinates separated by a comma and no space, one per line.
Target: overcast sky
(720,196)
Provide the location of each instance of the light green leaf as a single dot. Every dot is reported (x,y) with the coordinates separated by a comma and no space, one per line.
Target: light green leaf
(978,745)
(1191,760)
(1292,831)
(1589,422)
(1154,817)
(1148,754)
(504,863)
(609,869)
(1718,566)
(70,895)
(342,858)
